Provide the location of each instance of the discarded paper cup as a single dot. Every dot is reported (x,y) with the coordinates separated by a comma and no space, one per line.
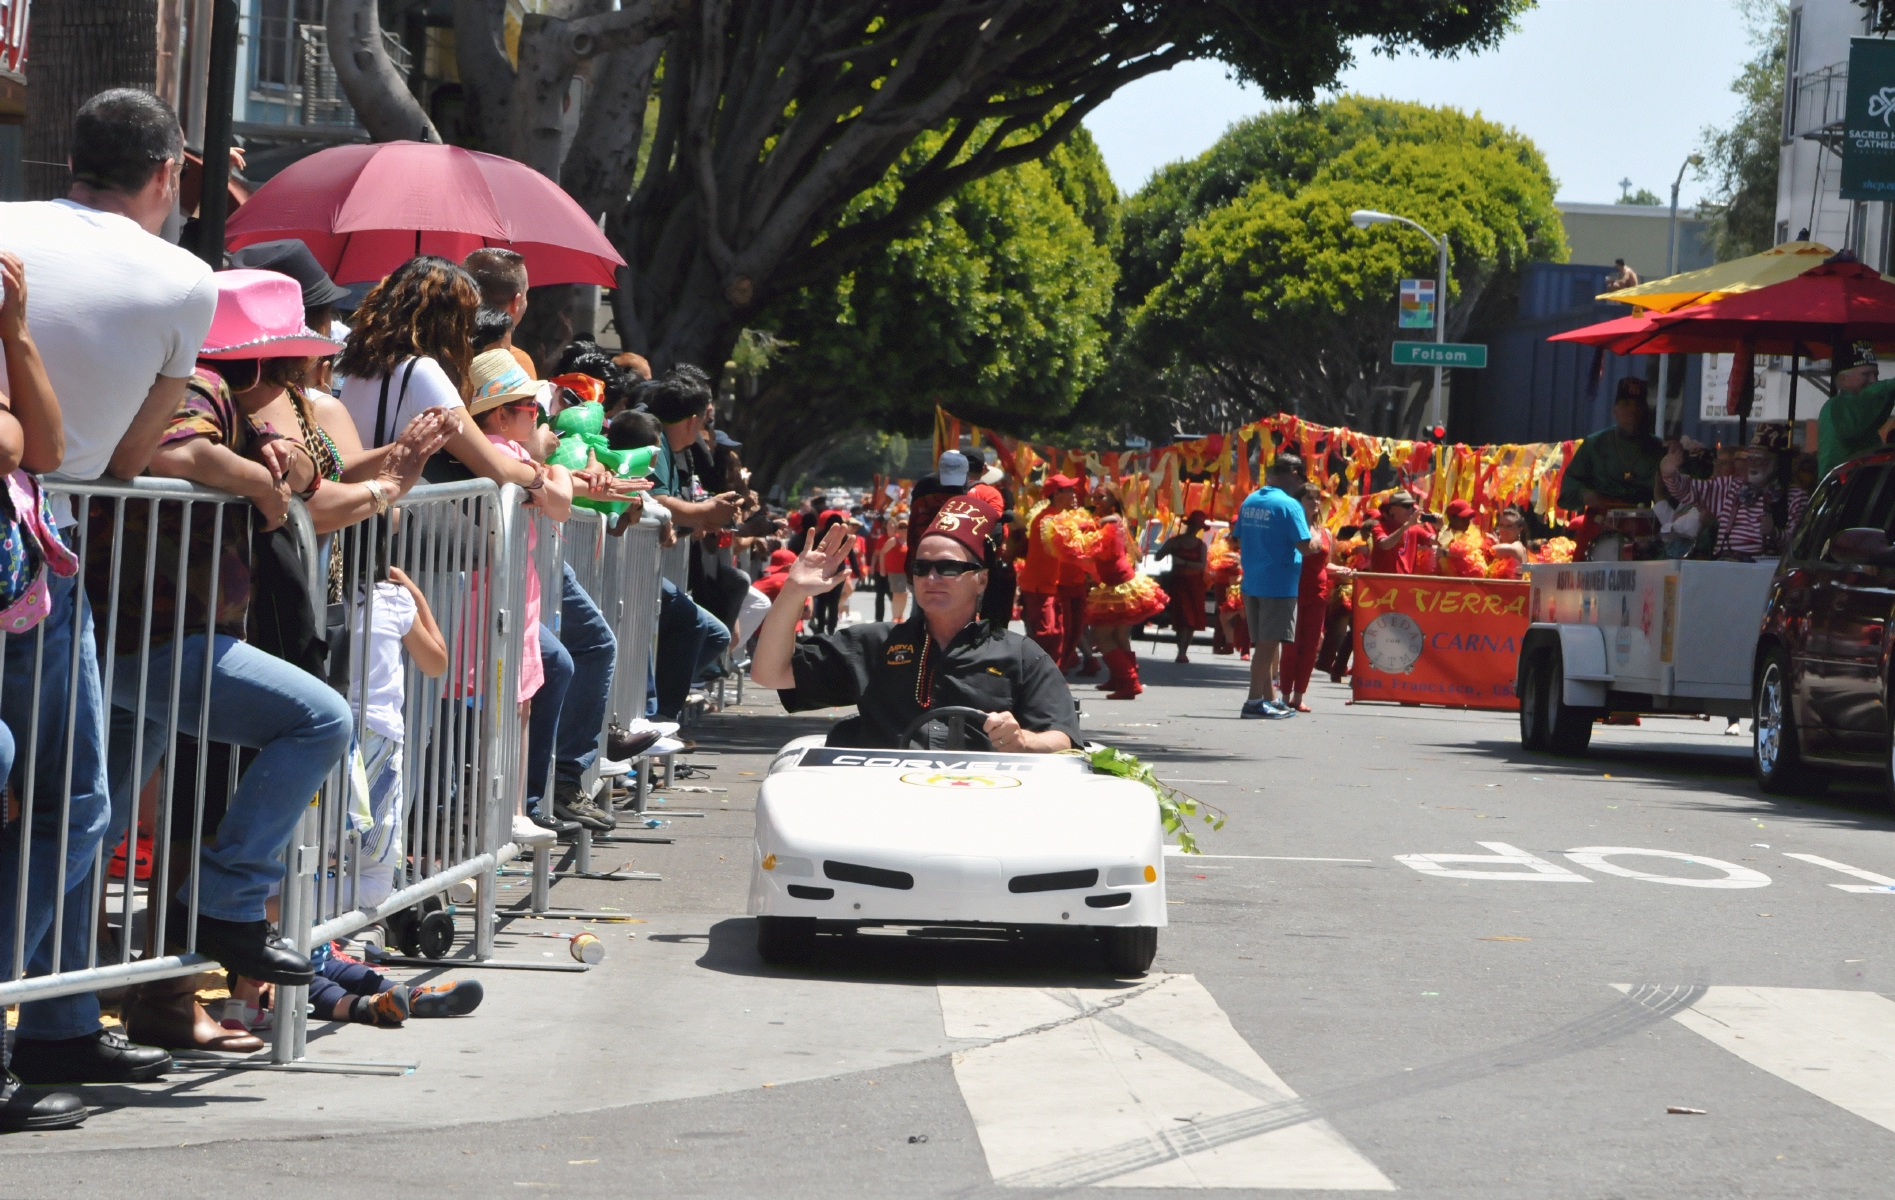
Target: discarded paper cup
(463,892)
(587,949)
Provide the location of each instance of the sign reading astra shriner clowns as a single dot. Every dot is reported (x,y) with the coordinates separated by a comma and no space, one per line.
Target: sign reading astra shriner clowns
(1434,639)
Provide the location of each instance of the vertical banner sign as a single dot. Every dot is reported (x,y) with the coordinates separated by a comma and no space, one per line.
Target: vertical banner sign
(1433,639)
(1868,123)
(1417,307)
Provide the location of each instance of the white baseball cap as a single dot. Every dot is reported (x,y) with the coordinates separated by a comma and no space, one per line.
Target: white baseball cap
(952,469)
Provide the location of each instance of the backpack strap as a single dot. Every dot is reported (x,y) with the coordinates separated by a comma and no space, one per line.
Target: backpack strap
(381,411)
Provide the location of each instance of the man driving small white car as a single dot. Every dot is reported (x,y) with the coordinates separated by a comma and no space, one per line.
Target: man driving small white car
(942,656)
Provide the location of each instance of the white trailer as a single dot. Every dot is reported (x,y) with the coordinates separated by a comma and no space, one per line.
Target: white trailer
(1664,636)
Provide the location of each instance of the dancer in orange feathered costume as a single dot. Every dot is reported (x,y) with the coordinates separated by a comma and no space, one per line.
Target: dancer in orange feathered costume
(1225,572)
(1121,599)
(1475,555)
(1052,576)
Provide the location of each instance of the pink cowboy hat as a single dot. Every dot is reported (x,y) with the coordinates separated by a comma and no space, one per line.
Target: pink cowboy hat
(260,315)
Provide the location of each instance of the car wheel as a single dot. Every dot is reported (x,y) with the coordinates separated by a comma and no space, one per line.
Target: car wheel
(1534,682)
(1128,949)
(1568,727)
(786,941)
(1775,754)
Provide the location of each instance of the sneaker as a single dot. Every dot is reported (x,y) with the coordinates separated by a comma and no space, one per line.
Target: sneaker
(569,804)
(1268,710)
(526,833)
(387,1009)
(612,768)
(662,728)
(453,998)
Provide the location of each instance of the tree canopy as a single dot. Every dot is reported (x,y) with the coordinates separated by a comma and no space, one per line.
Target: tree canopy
(768,118)
(1246,289)
(993,303)
(1742,159)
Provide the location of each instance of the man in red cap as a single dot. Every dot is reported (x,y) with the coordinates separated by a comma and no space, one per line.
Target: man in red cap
(943,655)
(1041,574)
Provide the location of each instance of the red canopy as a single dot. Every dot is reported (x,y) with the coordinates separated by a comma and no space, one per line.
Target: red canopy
(363,210)
(1833,304)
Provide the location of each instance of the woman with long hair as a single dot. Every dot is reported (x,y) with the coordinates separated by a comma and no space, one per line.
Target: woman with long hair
(411,352)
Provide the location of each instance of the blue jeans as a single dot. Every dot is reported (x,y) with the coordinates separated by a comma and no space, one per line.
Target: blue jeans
(689,640)
(84,823)
(565,726)
(299,725)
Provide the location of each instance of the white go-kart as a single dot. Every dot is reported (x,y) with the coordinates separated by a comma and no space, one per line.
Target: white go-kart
(954,839)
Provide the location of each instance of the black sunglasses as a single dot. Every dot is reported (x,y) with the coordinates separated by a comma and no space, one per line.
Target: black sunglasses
(946,568)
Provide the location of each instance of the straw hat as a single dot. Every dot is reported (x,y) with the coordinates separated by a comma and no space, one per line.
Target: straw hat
(499,379)
(260,315)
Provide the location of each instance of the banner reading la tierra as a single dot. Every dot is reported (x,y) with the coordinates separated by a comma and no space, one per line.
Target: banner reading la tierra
(1428,639)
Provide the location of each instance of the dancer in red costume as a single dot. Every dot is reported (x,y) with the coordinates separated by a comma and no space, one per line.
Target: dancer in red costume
(1121,599)
(1226,576)
(1039,574)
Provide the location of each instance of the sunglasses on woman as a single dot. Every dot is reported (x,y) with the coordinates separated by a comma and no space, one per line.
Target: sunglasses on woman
(946,568)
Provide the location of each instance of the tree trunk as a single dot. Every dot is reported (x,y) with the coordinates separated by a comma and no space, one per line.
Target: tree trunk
(486,73)
(377,92)
(80,48)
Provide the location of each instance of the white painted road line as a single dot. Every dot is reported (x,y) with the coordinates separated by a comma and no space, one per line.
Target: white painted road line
(1595,858)
(1834,1044)
(1877,883)
(1148,1086)
(1538,870)
(1176,852)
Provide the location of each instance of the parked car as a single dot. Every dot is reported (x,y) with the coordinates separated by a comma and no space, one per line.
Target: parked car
(1821,669)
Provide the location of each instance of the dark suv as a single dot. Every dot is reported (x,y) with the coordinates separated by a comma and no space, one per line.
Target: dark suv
(1821,683)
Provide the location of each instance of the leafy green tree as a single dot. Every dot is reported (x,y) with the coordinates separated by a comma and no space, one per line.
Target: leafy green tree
(1641,196)
(1741,160)
(1248,291)
(993,304)
(772,117)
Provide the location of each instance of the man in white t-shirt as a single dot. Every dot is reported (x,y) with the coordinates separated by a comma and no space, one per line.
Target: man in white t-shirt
(119,315)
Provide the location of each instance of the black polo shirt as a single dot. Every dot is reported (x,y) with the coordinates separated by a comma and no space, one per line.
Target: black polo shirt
(892,672)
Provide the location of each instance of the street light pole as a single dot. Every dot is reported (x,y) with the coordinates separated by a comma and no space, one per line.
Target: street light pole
(1671,268)
(1365,217)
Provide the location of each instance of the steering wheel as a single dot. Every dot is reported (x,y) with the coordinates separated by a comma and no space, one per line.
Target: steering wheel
(954,716)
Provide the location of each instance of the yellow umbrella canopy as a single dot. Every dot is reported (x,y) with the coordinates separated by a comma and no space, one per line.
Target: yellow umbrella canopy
(1702,286)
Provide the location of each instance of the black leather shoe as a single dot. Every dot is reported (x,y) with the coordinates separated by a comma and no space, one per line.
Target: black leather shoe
(562,828)
(101,1057)
(29,1110)
(247,948)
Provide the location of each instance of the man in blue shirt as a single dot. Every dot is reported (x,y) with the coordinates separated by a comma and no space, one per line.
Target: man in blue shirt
(1272,534)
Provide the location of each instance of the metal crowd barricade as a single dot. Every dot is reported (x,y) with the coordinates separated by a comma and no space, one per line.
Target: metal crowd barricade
(459,766)
(131,630)
(619,572)
(356,859)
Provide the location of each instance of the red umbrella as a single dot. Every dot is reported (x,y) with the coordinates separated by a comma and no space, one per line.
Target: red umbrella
(363,210)
(1836,303)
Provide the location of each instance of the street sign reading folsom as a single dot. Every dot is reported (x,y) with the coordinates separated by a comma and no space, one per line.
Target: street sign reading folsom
(1439,354)
(1868,123)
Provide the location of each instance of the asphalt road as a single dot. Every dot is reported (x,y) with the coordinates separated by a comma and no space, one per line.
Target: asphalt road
(1339,1003)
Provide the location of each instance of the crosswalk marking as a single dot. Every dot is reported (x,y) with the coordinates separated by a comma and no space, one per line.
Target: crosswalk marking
(1876,883)
(1146,1086)
(1838,1045)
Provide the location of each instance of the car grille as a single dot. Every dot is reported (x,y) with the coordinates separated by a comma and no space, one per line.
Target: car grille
(879,877)
(1054,881)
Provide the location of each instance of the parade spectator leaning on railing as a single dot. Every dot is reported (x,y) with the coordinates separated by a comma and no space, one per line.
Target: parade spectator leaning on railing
(118,315)
(690,638)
